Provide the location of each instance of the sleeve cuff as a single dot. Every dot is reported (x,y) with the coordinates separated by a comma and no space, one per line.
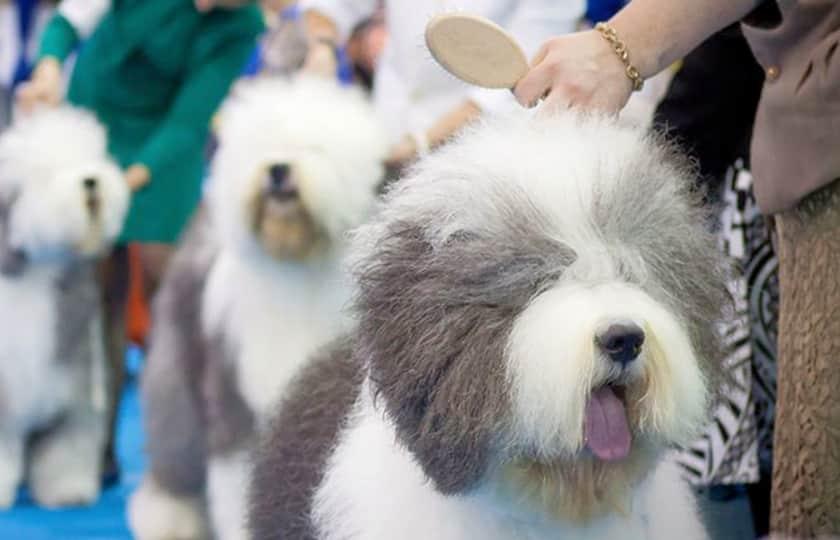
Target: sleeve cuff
(60,38)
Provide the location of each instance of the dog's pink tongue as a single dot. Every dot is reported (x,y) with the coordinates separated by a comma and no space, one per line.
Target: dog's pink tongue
(605,430)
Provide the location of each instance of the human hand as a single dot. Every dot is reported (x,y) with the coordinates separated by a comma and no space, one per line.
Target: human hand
(43,88)
(402,153)
(321,59)
(137,176)
(576,70)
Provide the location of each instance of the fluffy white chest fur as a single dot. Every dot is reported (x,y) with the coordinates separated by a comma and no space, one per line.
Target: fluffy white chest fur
(30,389)
(374,490)
(274,316)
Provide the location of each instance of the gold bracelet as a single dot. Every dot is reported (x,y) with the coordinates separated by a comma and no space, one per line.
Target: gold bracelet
(621,50)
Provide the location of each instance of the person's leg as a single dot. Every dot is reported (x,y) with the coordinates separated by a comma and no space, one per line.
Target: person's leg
(806,464)
(155,258)
(114,282)
(114,277)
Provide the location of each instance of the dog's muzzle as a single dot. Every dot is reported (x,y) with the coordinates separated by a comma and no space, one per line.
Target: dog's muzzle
(92,198)
(280,184)
(621,342)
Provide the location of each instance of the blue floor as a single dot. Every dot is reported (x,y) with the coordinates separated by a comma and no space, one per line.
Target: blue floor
(104,521)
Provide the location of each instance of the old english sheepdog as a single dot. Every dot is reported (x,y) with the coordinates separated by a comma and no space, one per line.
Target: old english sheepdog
(62,202)
(255,289)
(535,312)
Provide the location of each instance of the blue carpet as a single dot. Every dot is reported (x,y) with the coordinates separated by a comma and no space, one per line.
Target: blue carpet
(106,520)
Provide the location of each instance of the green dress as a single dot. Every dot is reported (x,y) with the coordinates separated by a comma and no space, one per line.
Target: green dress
(154,72)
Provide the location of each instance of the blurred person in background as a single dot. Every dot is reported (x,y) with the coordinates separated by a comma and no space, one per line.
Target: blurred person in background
(21,22)
(796,168)
(420,103)
(709,109)
(154,72)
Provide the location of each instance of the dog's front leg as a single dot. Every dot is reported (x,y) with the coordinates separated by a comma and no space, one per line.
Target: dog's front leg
(227,493)
(11,467)
(670,509)
(66,462)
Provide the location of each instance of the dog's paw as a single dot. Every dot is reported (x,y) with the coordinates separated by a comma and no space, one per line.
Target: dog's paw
(155,514)
(10,473)
(70,489)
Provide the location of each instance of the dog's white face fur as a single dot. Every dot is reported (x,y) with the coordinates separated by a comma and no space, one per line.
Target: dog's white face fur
(297,166)
(63,195)
(536,305)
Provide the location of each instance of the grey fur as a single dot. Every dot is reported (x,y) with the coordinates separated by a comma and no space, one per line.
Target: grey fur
(442,274)
(192,406)
(663,218)
(292,457)
(174,419)
(432,314)
(431,319)
(66,453)
(12,261)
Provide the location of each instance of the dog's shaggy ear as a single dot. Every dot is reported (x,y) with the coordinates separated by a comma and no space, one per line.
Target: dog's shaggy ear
(434,321)
(443,390)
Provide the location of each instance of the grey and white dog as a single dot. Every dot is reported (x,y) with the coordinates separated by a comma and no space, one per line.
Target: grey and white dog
(535,312)
(254,290)
(62,203)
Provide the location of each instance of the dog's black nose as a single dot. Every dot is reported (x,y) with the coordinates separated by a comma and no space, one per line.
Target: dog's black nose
(90,183)
(621,342)
(278,176)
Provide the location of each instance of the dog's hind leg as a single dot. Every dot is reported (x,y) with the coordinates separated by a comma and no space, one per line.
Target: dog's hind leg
(231,436)
(66,460)
(170,501)
(11,467)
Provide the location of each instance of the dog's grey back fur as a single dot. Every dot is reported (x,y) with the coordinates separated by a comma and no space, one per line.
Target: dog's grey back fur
(192,406)
(292,456)
(175,365)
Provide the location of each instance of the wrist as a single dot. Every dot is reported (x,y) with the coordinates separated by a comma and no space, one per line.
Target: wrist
(621,53)
(420,140)
(325,44)
(48,66)
(644,53)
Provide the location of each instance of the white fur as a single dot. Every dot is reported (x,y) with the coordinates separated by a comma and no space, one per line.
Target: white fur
(227,494)
(328,133)
(274,316)
(553,366)
(154,513)
(44,160)
(11,467)
(32,392)
(374,490)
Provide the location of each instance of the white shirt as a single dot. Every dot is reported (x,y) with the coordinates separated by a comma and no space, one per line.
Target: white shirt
(411,92)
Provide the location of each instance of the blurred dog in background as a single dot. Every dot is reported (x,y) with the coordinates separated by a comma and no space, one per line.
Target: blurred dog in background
(255,289)
(62,203)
